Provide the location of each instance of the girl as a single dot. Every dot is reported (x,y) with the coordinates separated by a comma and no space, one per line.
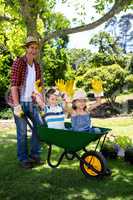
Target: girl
(80,117)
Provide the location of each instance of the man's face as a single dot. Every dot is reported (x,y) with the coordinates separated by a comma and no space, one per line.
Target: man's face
(32,50)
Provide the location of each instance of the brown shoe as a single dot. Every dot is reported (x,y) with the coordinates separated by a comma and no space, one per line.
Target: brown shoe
(26,164)
(36,160)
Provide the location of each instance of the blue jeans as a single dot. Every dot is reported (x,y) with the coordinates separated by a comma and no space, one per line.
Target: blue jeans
(32,113)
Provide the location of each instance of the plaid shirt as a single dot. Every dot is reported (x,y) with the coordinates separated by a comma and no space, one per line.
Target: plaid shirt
(18,75)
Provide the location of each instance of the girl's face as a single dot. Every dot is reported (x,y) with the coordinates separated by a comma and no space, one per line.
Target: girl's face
(52,100)
(80,103)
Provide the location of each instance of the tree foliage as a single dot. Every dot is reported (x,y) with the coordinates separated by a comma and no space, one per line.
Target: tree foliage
(30,11)
(112,76)
(121,29)
(19,18)
(5,62)
(105,43)
(55,61)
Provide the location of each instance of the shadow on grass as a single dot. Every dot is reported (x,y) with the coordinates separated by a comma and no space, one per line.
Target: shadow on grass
(64,183)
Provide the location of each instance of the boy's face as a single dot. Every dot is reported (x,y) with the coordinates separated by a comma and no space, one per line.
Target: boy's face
(52,100)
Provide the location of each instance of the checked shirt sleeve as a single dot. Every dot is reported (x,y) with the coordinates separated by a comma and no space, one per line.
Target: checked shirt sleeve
(16,73)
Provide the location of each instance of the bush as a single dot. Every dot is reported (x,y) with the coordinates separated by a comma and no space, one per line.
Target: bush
(4,82)
(112,76)
(6,113)
(109,151)
(55,62)
(5,63)
(100,59)
(129,155)
(123,141)
(117,146)
(129,81)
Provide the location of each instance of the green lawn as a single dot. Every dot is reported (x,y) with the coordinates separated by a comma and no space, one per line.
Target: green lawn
(66,182)
(124,97)
(119,125)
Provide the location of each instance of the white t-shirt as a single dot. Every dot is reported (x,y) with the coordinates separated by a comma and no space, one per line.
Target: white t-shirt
(29,86)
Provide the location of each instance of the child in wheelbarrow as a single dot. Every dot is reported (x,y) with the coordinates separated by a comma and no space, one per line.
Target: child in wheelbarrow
(54,112)
(80,117)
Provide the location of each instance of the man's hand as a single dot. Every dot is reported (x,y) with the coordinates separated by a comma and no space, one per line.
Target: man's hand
(18,111)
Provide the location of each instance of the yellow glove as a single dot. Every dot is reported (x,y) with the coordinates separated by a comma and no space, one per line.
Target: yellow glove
(18,111)
(69,88)
(42,113)
(60,84)
(97,86)
(38,88)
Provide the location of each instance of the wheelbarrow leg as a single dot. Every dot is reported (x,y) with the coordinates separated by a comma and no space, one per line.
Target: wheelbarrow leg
(49,158)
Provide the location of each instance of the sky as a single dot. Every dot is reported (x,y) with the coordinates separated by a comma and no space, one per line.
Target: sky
(79,40)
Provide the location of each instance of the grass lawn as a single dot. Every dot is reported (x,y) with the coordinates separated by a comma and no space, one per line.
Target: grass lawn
(119,125)
(67,181)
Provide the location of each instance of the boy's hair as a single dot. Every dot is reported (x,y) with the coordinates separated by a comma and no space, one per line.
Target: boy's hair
(74,107)
(50,92)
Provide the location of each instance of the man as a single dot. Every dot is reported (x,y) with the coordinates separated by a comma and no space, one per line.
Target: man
(25,72)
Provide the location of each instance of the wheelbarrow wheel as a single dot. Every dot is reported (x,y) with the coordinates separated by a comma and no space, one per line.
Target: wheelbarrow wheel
(93,164)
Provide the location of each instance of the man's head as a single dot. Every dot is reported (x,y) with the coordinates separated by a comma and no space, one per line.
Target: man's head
(31,40)
(32,46)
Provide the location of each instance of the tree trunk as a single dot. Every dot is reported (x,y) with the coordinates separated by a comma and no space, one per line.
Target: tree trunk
(29,13)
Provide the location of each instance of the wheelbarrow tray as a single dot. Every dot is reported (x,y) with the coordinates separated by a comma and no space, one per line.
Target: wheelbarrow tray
(70,141)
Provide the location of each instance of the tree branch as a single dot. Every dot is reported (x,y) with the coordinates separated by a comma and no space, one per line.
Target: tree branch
(116,8)
(5,18)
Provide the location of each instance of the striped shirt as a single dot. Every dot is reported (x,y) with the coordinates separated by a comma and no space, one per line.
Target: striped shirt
(54,117)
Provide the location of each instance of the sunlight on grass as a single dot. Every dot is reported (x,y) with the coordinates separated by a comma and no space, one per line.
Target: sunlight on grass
(124,97)
(82,195)
(46,185)
(66,182)
(119,126)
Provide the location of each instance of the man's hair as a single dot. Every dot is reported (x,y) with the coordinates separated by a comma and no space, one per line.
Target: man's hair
(50,92)
(30,43)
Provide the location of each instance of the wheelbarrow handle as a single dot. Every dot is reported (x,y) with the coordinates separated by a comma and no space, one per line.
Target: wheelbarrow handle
(27,121)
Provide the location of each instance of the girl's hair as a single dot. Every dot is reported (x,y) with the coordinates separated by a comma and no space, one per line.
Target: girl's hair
(74,107)
(50,92)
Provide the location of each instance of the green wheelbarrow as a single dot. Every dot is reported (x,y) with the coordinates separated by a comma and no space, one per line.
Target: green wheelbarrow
(92,163)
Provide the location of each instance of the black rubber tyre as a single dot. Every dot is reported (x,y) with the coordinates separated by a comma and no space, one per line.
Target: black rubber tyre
(97,161)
